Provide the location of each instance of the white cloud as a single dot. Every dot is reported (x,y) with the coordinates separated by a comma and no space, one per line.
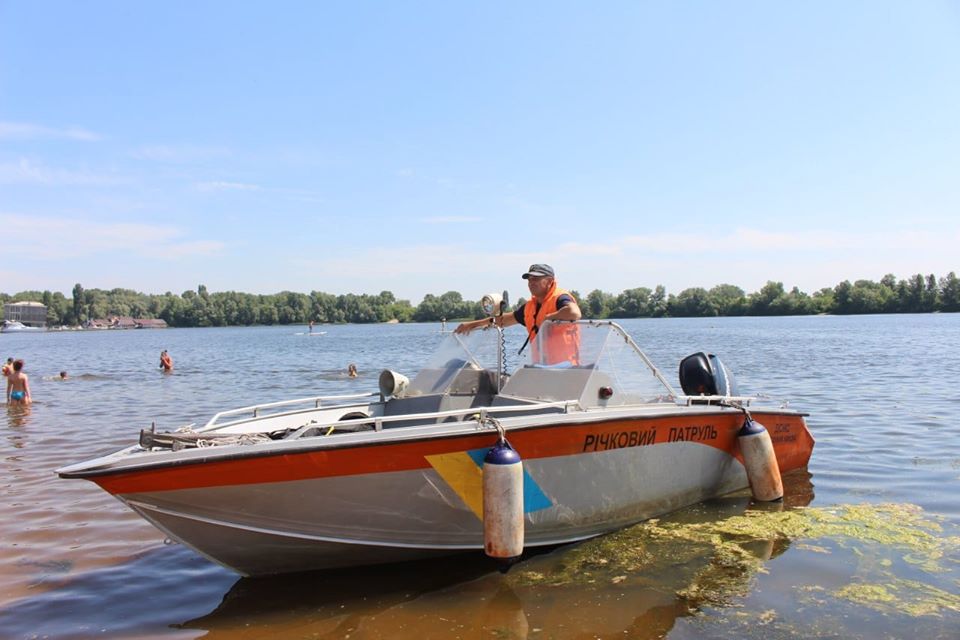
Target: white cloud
(450,219)
(589,249)
(187,249)
(749,257)
(27,131)
(178,153)
(51,238)
(746,257)
(410,272)
(802,242)
(24,171)
(226,186)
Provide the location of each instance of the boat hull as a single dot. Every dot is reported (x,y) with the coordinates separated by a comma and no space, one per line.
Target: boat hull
(19,327)
(393,500)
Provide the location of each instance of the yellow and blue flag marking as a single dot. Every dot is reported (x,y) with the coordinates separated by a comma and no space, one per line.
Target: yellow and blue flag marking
(463,471)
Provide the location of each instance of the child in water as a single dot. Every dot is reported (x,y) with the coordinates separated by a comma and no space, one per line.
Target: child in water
(18,386)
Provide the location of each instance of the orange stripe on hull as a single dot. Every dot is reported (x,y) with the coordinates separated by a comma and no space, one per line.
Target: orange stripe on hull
(792,442)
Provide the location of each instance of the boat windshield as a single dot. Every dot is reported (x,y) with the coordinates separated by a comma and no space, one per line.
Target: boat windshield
(603,355)
(475,351)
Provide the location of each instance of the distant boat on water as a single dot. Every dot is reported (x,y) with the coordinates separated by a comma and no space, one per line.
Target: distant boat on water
(15,326)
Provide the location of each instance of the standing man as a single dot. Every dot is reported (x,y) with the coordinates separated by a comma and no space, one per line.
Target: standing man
(166,362)
(547,302)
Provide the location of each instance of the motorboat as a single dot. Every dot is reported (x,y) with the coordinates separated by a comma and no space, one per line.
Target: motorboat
(399,473)
(15,326)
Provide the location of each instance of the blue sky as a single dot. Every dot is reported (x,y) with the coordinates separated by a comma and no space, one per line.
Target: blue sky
(425,147)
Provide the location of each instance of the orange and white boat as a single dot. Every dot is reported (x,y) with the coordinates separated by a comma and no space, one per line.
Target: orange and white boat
(399,474)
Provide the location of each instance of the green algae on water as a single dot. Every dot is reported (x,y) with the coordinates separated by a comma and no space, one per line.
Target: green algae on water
(899,595)
(715,562)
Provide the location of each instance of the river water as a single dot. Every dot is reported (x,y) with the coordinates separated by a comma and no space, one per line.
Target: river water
(881,558)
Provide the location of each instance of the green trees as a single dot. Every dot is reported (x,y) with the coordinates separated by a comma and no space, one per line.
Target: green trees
(950,293)
(597,304)
(692,303)
(728,299)
(632,303)
(200,308)
(450,305)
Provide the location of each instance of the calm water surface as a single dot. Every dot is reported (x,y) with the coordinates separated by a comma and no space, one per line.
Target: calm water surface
(884,408)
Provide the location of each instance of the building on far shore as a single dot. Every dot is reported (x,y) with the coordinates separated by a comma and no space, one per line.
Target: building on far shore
(126,322)
(151,323)
(32,314)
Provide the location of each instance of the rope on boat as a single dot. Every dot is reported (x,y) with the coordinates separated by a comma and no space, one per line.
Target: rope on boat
(242,438)
(489,421)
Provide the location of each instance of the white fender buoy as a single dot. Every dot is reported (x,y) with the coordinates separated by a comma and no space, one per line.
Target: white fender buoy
(759,458)
(503,503)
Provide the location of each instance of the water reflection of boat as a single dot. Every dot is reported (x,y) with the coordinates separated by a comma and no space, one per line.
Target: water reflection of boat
(356,480)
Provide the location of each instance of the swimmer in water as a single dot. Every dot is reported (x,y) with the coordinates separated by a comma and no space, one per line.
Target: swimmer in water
(352,370)
(166,362)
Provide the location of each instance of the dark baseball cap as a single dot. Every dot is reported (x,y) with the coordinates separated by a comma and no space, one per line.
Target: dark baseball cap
(538,271)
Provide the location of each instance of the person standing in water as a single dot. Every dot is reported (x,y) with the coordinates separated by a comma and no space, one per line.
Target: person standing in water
(166,362)
(352,370)
(18,386)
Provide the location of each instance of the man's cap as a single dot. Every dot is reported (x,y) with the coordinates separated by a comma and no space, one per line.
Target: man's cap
(538,270)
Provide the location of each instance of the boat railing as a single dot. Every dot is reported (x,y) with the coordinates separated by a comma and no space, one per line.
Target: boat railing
(432,417)
(643,356)
(737,402)
(254,411)
(734,401)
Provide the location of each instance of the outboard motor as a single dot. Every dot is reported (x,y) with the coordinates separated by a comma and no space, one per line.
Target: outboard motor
(702,374)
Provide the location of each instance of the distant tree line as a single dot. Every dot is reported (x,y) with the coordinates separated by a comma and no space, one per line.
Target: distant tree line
(917,294)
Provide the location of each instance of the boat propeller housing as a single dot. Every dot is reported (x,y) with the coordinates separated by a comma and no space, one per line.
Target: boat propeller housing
(703,374)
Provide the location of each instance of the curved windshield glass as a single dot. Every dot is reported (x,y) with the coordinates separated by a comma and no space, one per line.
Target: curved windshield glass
(593,355)
(474,351)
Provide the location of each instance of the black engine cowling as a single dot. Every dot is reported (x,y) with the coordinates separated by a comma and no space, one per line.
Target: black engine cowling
(703,374)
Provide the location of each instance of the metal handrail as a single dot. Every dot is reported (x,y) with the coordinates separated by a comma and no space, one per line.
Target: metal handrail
(643,356)
(633,345)
(256,409)
(480,413)
(688,400)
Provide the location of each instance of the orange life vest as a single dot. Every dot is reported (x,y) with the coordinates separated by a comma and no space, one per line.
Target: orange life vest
(563,342)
